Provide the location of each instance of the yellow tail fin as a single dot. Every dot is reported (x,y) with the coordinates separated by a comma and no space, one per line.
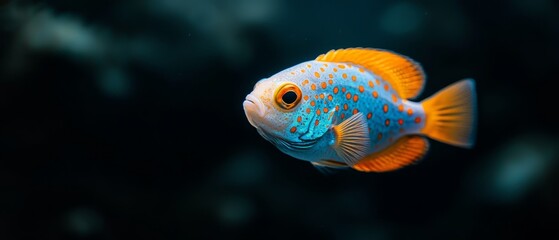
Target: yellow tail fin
(451,114)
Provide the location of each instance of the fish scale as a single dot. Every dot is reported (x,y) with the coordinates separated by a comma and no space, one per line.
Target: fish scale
(314,77)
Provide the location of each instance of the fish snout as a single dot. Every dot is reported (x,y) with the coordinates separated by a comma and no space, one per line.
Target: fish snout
(254,109)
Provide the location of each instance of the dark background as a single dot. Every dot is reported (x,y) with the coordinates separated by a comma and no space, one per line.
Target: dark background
(124,120)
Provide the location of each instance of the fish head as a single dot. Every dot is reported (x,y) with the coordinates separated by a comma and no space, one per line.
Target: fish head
(277,110)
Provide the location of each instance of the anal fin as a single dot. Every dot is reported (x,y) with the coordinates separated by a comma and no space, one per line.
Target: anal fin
(405,151)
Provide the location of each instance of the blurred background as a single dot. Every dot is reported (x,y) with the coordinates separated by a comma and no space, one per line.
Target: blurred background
(124,120)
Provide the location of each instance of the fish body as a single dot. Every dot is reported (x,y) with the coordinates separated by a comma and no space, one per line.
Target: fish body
(352,108)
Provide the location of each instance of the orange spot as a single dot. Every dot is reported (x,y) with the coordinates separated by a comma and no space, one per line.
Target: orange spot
(322,69)
(325,110)
(385,108)
(342,116)
(355,111)
(313,103)
(330,98)
(326,65)
(293,129)
(330,75)
(345,106)
(387,122)
(394,98)
(386,87)
(292,73)
(379,136)
(344,76)
(302,70)
(341,66)
(375,94)
(417,120)
(369,115)
(299,119)
(401,107)
(336,90)
(354,78)
(361,70)
(355,97)
(378,81)
(348,96)
(316,122)
(343,89)
(401,121)
(316,74)
(308,66)
(410,112)
(323,85)
(371,83)
(305,82)
(306,97)
(335,69)
(337,108)
(318,112)
(313,86)
(308,110)
(316,96)
(322,96)
(330,81)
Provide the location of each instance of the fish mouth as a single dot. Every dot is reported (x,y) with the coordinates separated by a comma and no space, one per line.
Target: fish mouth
(254,109)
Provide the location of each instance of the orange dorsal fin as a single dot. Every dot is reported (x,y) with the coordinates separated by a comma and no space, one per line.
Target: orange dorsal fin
(405,151)
(403,74)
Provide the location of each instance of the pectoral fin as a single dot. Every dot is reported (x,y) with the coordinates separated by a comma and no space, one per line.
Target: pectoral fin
(351,139)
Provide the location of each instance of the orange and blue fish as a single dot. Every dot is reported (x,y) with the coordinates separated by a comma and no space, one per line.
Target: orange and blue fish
(351,108)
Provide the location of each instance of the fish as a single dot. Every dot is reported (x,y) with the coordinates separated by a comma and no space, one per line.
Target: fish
(354,108)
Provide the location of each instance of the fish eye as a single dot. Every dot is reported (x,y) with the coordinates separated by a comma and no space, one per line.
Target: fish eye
(288,96)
